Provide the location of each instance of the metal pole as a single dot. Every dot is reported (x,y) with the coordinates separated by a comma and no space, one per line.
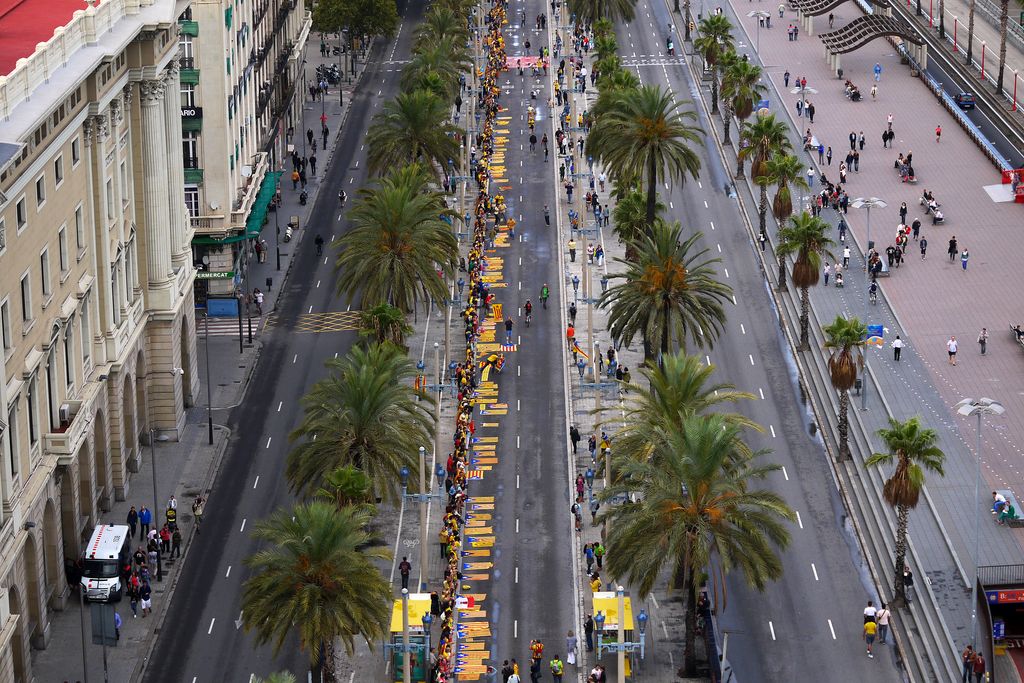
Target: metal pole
(406,675)
(156,501)
(977,536)
(423,518)
(621,595)
(241,336)
(209,389)
(277,221)
(867,274)
(81,613)
(248,294)
(106,673)
(437,404)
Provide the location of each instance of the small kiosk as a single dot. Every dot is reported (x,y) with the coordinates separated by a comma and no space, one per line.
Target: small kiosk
(607,608)
(419,620)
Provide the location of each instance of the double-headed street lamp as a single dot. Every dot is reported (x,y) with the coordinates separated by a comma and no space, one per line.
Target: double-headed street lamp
(622,646)
(423,497)
(867,203)
(977,407)
(762,16)
(407,648)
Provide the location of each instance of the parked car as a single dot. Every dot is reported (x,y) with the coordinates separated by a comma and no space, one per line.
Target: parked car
(964,100)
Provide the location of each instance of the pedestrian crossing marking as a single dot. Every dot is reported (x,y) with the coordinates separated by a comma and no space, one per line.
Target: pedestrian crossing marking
(331,321)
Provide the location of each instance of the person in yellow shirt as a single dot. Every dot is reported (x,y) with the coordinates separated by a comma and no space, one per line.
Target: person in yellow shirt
(870,629)
(595,583)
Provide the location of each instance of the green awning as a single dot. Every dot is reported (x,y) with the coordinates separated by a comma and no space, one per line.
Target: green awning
(258,213)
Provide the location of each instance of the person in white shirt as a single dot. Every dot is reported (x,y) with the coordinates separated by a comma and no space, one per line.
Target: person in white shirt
(951,347)
(897,347)
(882,618)
(870,612)
(998,502)
(846,257)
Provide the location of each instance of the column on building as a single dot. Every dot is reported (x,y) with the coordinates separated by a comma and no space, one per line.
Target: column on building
(96,133)
(180,251)
(156,193)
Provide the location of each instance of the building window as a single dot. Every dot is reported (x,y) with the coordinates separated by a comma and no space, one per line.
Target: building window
(12,436)
(26,298)
(110,200)
(22,212)
(5,323)
(69,363)
(33,404)
(192,199)
(115,293)
(188,95)
(79,228)
(3,234)
(86,329)
(190,148)
(40,191)
(76,152)
(44,272)
(124,183)
(62,243)
(130,275)
(58,171)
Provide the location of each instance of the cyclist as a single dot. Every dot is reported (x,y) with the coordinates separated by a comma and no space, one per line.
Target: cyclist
(544,293)
(873,293)
(529,312)
(342,197)
(319,241)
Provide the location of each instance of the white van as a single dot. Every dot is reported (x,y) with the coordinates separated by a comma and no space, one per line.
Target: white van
(109,550)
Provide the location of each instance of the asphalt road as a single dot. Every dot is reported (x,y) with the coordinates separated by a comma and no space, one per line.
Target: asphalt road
(200,640)
(808,625)
(531,591)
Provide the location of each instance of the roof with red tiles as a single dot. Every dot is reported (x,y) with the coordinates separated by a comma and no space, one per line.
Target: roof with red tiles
(25,23)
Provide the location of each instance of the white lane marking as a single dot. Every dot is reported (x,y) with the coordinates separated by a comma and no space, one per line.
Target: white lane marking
(705,203)
(664,628)
(268,441)
(815,570)
(243,526)
(772,428)
(515,628)
(707,359)
(517,404)
(772,629)
(517,525)
(785,473)
(743,329)
(517,574)
(719,248)
(318,284)
(310,309)
(734,300)
(725,269)
(712,225)
(257,482)
(761,392)
(830,628)
(699,185)
(654,601)
(671,205)
(210,630)
(517,441)
(295,358)
(279,404)
(518,370)
(325,263)
(799,521)
(751,358)
(517,481)
(228,572)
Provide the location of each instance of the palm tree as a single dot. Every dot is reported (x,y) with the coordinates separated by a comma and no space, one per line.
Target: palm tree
(605,46)
(913,449)
(668,292)
(970,32)
(412,127)
(643,134)
(346,486)
(767,136)
(400,248)
(714,41)
(610,83)
(677,389)
(441,23)
(276,677)
(743,88)
(845,339)
(365,413)
(443,59)
(1004,8)
(724,64)
(784,171)
(592,11)
(806,237)
(630,215)
(696,503)
(317,576)
(384,323)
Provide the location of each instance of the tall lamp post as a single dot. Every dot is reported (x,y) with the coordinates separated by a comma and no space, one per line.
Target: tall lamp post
(867,203)
(977,407)
(622,646)
(803,93)
(761,17)
(423,497)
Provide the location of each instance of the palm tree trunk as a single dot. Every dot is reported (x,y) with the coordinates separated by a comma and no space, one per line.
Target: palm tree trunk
(1003,9)
(714,90)
(844,425)
(805,313)
(942,19)
(726,124)
(665,311)
(970,32)
(652,190)
(782,274)
(740,163)
(898,590)
(762,208)
(690,630)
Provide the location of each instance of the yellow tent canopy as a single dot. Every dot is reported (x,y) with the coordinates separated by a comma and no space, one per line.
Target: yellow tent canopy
(607,603)
(419,604)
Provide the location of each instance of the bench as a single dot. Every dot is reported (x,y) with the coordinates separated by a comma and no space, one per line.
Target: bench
(1010,515)
(1019,338)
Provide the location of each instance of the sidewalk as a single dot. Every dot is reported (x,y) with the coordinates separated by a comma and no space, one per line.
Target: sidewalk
(930,301)
(189,466)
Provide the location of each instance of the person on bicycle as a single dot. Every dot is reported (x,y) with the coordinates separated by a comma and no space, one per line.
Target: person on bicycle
(529,312)
(319,241)
(873,292)
(544,293)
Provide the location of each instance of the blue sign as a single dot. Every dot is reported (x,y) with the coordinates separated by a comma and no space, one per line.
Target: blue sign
(998,629)
(876,335)
(763,104)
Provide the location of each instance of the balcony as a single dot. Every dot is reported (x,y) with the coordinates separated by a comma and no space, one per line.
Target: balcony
(189,27)
(187,63)
(222,225)
(65,440)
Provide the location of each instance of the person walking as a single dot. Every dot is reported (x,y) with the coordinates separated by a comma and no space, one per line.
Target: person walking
(828,156)
(882,618)
(846,257)
(810,111)
(572,312)
(557,669)
(951,347)
(967,657)
(878,72)
(983,339)
(574,437)
(978,667)
(964,255)
(133,521)
(405,568)
(547,215)
(897,347)
(571,646)
(508,330)
(145,519)
(146,599)
(827,272)
(570,335)
(821,153)
(588,632)
(908,581)
(176,543)
(312,163)
(535,671)
(903,213)
(853,140)
(870,629)
(874,91)
(924,246)
(572,250)
(951,251)
(938,134)
(785,78)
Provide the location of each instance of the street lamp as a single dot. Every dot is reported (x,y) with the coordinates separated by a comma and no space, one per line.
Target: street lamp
(967,408)
(867,203)
(761,17)
(803,93)
(423,497)
(622,646)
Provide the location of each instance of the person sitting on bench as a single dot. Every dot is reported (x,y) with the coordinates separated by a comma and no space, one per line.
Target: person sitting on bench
(998,502)
(937,217)
(1008,514)
(1019,332)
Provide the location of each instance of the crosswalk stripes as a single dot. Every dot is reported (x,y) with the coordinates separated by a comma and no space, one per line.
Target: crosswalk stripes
(225,327)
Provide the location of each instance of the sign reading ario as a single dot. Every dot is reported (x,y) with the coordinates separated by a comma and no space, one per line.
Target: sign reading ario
(191,112)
